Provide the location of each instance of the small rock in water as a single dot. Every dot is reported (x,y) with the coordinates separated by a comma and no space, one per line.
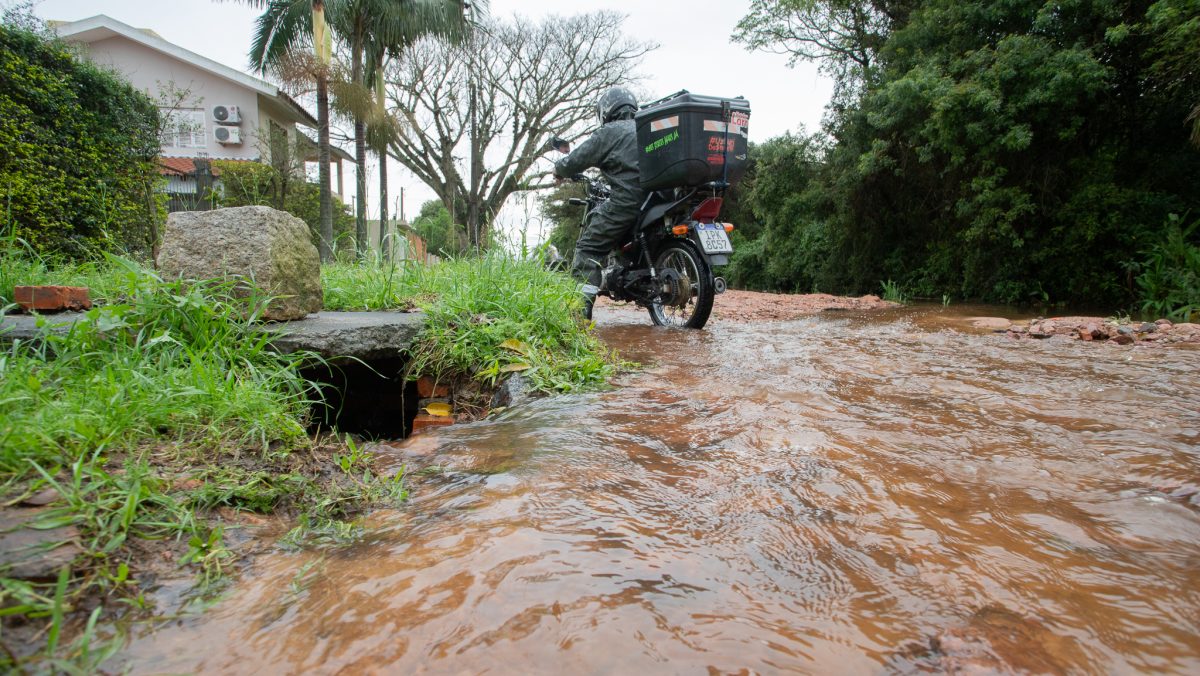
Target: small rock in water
(1163,322)
(1185,491)
(1148,327)
(512,392)
(1123,339)
(992,323)
(30,552)
(995,640)
(42,497)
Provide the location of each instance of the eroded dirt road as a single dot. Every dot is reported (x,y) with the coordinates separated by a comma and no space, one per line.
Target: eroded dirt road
(847,492)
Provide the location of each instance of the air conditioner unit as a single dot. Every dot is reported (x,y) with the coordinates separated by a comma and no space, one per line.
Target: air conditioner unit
(228,136)
(227,114)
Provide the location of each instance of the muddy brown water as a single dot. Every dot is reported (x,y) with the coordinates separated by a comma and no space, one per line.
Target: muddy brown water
(851,494)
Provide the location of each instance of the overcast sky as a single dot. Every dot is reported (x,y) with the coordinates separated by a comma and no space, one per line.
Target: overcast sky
(695,52)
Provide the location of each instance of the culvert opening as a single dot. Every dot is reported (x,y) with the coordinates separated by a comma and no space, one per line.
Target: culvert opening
(370,398)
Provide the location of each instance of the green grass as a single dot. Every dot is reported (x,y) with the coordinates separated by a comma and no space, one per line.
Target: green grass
(164,385)
(372,285)
(486,317)
(175,361)
(892,292)
(165,402)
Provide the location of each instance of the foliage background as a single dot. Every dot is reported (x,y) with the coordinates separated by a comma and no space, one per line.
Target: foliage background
(1011,151)
(443,237)
(77,146)
(254,183)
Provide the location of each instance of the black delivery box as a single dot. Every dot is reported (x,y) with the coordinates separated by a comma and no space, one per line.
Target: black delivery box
(681,139)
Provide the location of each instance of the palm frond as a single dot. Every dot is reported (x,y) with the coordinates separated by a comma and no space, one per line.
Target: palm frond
(283,26)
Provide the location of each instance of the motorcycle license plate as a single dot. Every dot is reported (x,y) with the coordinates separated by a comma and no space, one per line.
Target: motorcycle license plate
(713,238)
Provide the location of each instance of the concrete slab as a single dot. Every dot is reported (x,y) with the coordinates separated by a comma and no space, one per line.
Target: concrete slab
(333,335)
(359,335)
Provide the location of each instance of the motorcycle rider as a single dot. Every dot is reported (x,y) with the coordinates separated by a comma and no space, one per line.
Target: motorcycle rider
(614,150)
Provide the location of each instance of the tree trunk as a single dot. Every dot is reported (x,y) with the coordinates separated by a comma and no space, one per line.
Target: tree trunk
(325,245)
(383,185)
(476,159)
(474,226)
(361,237)
(360,189)
(383,205)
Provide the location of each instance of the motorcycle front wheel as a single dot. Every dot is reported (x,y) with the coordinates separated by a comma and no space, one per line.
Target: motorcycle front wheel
(685,298)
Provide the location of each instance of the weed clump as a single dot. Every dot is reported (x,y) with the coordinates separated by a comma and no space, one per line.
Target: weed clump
(486,317)
(152,414)
(1169,282)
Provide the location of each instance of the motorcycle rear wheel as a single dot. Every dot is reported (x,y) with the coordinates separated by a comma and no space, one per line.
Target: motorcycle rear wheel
(687,307)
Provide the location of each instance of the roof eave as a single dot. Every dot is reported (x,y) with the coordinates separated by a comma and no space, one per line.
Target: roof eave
(68,29)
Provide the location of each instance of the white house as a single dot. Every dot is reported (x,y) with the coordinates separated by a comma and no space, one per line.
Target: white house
(214,111)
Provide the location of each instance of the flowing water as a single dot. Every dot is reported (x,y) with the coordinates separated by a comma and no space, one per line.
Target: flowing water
(839,494)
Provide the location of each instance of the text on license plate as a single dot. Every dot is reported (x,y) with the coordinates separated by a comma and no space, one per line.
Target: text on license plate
(713,238)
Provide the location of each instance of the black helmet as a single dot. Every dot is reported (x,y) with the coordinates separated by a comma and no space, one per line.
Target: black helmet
(613,102)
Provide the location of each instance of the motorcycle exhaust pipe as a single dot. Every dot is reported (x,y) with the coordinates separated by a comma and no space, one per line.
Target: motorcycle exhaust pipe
(719,285)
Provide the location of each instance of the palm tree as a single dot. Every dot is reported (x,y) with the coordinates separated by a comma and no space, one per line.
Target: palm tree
(375,30)
(284,27)
(449,19)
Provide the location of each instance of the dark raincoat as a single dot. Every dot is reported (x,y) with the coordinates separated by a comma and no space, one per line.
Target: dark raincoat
(614,150)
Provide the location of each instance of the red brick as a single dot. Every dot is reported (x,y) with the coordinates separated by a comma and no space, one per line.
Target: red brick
(428,388)
(425,421)
(52,298)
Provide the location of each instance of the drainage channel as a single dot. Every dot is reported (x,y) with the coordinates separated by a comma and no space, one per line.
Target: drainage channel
(370,399)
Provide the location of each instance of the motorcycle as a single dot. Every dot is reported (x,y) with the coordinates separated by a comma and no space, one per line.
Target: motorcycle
(666,266)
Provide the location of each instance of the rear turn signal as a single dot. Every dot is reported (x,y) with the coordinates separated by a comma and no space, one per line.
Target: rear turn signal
(680,230)
(728,227)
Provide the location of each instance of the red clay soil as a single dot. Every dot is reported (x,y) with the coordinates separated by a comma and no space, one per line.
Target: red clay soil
(754,306)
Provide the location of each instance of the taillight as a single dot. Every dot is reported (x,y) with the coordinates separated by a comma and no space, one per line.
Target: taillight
(708,210)
(679,230)
(728,227)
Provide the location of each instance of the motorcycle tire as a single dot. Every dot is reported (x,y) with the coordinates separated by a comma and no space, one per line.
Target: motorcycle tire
(690,307)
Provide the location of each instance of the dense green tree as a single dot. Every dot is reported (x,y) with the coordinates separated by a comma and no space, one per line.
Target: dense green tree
(1013,150)
(1174,30)
(435,225)
(254,183)
(779,244)
(77,149)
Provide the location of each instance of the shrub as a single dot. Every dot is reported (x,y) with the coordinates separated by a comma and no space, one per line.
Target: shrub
(1170,279)
(485,317)
(77,146)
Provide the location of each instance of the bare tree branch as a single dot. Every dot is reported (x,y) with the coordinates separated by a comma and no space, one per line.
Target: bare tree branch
(844,36)
(472,119)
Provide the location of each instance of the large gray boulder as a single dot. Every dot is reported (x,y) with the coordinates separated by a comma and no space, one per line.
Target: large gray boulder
(273,248)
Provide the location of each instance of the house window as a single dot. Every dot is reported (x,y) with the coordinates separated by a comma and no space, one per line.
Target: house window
(184,128)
